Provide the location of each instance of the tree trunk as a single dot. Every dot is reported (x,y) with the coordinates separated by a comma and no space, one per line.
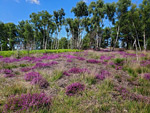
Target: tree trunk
(116,38)
(1,48)
(144,41)
(97,40)
(137,36)
(136,48)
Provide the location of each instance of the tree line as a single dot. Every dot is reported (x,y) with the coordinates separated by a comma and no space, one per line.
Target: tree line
(97,25)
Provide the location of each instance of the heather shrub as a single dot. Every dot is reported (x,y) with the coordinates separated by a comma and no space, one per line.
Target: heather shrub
(27,102)
(9,75)
(7,71)
(66,73)
(36,78)
(41,82)
(93,61)
(102,75)
(25,69)
(76,70)
(31,75)
(147,76)
(74,88)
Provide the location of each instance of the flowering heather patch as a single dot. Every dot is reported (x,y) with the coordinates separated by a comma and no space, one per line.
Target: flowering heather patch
(36,78)
(9,60)
(80,58)
(66,73)
(31,75)
(102,75)
(74,88)
(37,60)
(27,58)
(147,76)
(25,69)
(7,71)
(41,82)
(105,57)
(142,55)
(1,56)
(26,102)
(118,67)
(145,63)
(93,61)
(76,70)
(51,57)
(117,64)
(9,75)
(124,54)
(43,65)
(126,94)
(69,60)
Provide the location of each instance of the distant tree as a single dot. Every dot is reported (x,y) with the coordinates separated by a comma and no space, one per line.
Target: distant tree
(63,43)
(3,40)
(59,21)
(86,42)
(97,10)
(11,33)
(80,11)
(145,18)
(28,34)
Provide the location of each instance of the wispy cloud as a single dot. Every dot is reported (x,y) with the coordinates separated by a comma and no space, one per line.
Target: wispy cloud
(34,1)
(86,1)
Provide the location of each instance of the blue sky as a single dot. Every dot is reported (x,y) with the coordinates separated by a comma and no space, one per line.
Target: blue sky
(17,10)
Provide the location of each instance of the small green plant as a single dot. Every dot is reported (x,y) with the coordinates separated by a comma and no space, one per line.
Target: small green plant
(90,80)
(10,66)
(117,76)
(56,75)
(119,61)
(132,72)
(23,65)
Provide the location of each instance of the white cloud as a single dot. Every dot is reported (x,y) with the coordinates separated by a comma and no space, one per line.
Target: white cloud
(86,1)
(34,1)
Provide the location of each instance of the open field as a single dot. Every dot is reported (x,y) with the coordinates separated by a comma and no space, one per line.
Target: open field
(75,82)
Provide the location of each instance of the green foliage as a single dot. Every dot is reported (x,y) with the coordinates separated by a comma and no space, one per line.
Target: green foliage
(119,61)
(90,80)
(24,53)
(86,43)
(56,75)
(63,43)
(132,72)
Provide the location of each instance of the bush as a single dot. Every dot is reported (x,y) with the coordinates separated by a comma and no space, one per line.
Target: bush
(74,88)
(26,102)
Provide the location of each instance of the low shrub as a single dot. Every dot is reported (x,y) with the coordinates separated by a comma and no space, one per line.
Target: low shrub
(74,88)
(27,102)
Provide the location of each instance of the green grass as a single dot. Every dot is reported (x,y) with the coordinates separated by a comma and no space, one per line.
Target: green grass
(24,52)
(119,61)
(56,75)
